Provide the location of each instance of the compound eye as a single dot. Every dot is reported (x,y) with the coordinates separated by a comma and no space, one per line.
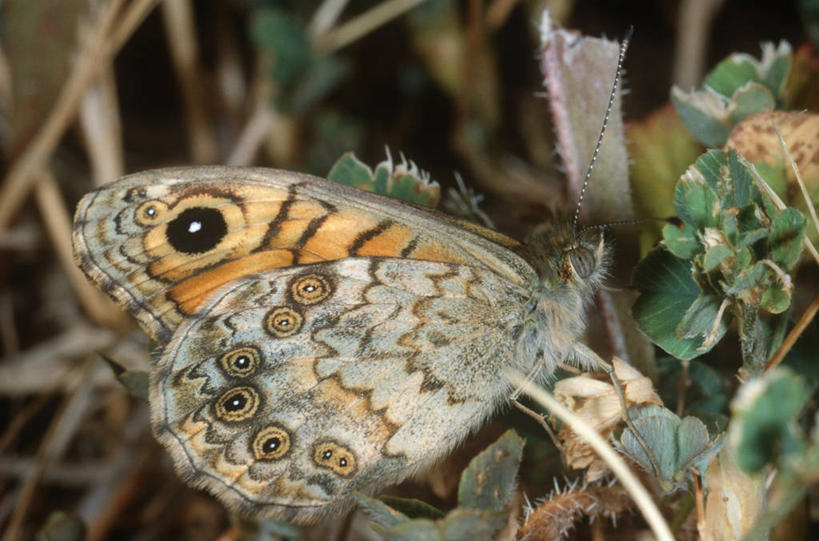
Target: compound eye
(583,261)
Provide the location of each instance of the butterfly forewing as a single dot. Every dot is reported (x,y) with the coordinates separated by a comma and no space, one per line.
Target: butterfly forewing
(162,242)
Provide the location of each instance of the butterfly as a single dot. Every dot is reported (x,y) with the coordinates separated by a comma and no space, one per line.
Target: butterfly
(316,340)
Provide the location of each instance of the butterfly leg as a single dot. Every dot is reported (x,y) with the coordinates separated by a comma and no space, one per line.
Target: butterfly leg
(587,356)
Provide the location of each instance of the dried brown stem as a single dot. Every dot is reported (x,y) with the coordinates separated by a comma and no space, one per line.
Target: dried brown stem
(179,29)
(541,420)
(363,24)
(693,27)
(95,55)
(553,518)
(102,128)
(58,224)
(794,335)
(63,426)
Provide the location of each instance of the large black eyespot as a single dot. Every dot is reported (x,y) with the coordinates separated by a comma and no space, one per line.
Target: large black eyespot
(196,230)
(237,404)
(583,260)
(310,289)
(271,443)
(334,456)
(241,362)
(283,321)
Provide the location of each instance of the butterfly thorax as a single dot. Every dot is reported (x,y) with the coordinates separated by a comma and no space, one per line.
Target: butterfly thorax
(570,268)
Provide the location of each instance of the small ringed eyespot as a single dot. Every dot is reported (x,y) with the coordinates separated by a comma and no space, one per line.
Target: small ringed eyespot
(237,404)
(150,213)
(336,457)
(241,362)
(283,321)
(310,289)
(271,443)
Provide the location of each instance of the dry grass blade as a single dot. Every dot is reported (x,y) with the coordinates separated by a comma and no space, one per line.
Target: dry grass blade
(102,128)
(94,56)
(58,224)
(794,335)
(62,427)
(639,494)
(763,185)
(179,28)
(364,24)
(802,187)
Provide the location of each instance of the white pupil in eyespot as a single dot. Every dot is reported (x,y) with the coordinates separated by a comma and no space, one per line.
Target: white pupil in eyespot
(150,211)
(310,289)
(193,227)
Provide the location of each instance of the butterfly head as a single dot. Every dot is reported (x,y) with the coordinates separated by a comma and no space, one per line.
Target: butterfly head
(565,258)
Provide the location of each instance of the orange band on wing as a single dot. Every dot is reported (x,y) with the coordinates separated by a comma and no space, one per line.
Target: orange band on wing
(190,294)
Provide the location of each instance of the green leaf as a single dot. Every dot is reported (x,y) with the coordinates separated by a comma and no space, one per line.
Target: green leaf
(705,115)
(714,256)
(136,382)
(279,33)
(676,445)
(750,99)
(666,292)
(700,318)
(660,149)
(776,66)
(706,393)
(776,299)
(681,241)
(732,73)
(466,524)
(413,508)
(787,230)
(403,180)
(351,171)
(749,238)
(764,425)
(317,80)
(488,481)
(746,279)
(744,190)
(420,529)
(62,526)
(695,202)
(458,525)
(379,511)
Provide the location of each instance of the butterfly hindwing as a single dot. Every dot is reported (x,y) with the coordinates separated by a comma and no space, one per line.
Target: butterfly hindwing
(293,388)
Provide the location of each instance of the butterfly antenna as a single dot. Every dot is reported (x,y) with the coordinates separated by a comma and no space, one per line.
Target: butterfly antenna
(620,59)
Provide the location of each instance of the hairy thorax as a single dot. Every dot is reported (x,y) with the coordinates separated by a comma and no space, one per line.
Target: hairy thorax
(570,268)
